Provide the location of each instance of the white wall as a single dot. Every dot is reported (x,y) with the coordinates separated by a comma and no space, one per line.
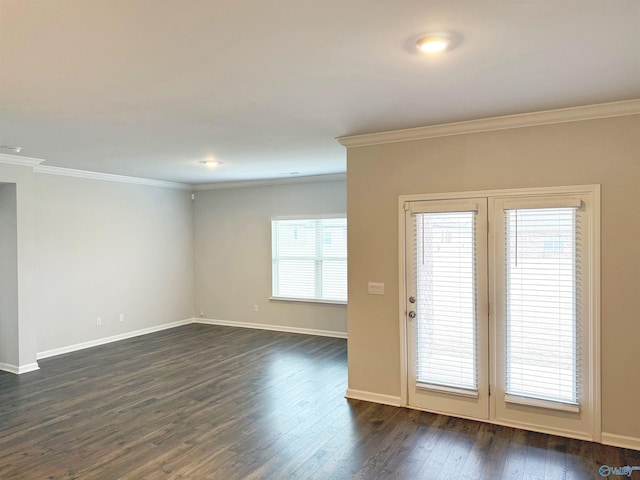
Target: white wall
(233,253)
(87,248)
(22,177)
(105,248)
(9,323)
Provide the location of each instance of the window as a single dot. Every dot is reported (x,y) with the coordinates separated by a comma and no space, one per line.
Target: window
(309,259)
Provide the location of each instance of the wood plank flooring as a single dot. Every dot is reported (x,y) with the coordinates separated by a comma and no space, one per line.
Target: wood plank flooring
(207,402)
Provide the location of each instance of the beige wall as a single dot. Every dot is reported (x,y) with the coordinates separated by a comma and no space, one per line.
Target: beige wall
(233,253)
(605,151)
(105,248)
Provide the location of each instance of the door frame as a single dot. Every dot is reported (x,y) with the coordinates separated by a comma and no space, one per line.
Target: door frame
(594,365)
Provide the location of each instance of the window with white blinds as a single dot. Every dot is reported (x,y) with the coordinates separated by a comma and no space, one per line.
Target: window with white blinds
(542,262)
(446,304)
(309,259)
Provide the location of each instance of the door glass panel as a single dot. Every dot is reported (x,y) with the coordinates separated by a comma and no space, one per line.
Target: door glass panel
(541,298)
(446,299)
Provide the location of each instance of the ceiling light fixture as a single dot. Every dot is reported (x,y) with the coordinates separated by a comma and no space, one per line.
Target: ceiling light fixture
(11,149)
(212,163)
(434,43)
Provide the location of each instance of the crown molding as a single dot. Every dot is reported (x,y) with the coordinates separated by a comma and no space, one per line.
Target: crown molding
(572,114)
(334,177)
(70,172)
(20,160)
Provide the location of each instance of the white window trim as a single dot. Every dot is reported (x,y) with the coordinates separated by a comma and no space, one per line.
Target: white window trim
(305,300)
(593,326)
(309,217)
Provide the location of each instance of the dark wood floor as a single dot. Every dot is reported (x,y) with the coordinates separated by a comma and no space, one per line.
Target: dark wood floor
(207,402)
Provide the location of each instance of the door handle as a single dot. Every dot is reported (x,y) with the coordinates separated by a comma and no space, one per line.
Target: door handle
(412,314)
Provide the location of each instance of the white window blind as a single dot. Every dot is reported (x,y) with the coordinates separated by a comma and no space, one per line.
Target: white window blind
(446,345)
(543,257)
(309,259)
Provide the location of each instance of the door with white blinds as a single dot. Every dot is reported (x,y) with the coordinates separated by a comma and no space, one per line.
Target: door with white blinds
(501,309)
(542,311)
(447,306)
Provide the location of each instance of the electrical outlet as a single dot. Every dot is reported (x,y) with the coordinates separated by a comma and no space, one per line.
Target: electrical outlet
(122,317)
(201,313)
(255,307)
(98,321)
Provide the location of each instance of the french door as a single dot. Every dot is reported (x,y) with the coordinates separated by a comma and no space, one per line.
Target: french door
(447,316)
(499,318)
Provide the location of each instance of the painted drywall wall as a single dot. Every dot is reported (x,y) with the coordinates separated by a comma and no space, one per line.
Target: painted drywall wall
(605,151)
(106,248)
(22,177)
(9,323)
(233,252)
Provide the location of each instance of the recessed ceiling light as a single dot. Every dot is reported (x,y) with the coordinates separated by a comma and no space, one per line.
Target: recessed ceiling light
(434,43)
(11,149)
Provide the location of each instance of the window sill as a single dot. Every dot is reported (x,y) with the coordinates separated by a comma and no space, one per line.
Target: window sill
(307,300)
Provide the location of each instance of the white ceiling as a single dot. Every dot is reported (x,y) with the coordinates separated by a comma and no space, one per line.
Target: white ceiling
(151,88)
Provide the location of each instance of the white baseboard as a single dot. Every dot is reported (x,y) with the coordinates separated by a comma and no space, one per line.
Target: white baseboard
(7,367)
(621,441)
(19,369)
(373,397)
(145,331)
(276,328)
(114,338)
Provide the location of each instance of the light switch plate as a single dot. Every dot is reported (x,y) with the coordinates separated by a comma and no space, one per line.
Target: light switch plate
(375,288)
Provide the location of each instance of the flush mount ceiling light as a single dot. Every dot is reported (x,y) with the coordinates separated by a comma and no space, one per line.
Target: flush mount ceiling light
(434,43)
(211,163)
(11,149)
